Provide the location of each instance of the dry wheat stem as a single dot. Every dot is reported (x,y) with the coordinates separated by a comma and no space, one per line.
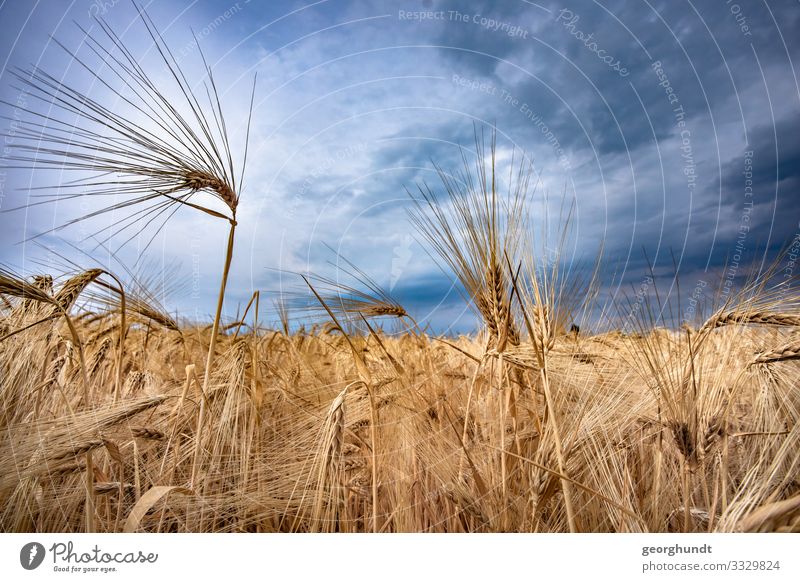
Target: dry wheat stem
(212,348)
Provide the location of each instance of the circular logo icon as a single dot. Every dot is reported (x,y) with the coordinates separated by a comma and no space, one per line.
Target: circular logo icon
(31,555)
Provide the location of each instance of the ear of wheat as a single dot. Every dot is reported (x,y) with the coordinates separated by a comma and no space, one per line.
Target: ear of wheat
(786,352)
(31,306)
(474,230)
(329,461)
(15,286)
(157,168)
(363,298)
(780,516)
(73,287)
(753,318)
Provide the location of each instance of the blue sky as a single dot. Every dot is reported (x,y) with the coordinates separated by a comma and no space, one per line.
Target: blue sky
(652,116)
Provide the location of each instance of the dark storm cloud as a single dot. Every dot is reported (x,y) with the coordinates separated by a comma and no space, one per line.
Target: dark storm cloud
(570,74)
(713,74)
(771,165)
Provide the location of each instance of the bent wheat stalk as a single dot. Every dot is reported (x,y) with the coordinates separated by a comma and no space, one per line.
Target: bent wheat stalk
(366,379)
(158,169)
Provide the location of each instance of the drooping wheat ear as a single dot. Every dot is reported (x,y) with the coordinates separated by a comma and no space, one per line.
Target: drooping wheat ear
(75,451)
(780,516)
(384,310)
(752,317)
(134,382)
(69,291)
(99,356)
(43,282)
(788,351)
(147,433)
(197,181)
(365,297)
(129,410)
(156,167)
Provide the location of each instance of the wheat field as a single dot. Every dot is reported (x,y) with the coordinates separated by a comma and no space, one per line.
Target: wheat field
(321,431)
(116,416)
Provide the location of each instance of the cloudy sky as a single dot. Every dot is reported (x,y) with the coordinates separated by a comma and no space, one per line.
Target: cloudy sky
(654,117)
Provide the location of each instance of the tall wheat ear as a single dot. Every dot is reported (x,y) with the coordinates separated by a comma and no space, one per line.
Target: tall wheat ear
(474,227)
(155,167)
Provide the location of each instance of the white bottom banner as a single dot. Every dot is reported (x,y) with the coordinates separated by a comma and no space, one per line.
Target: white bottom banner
(329,557)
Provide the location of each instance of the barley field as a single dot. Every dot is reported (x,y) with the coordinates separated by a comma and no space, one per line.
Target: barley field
(560,413)
(106,426)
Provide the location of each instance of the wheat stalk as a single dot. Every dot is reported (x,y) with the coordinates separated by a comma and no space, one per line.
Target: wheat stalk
(156,170)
